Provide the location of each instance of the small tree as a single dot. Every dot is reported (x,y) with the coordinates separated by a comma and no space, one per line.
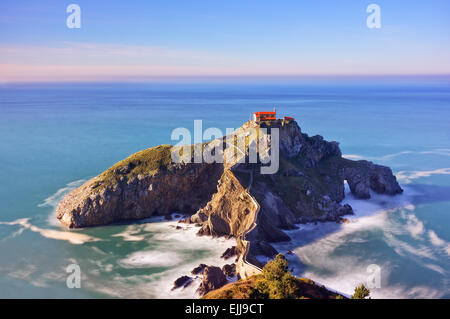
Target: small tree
(276,281)
(361,292)
(276,269)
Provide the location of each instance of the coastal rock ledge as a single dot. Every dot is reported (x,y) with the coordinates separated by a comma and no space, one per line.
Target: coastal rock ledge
(229,199)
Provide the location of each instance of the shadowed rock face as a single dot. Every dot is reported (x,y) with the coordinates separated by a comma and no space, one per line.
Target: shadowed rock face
(368,176)
(213,278)
(182,281)
(223,198)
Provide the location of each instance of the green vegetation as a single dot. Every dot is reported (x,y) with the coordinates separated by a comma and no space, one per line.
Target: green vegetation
(361,292)
(292,188)
(275,282)
(146,162)
(294,180)
(333,164)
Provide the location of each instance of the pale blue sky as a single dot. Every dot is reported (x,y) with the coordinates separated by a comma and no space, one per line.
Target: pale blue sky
(138,40)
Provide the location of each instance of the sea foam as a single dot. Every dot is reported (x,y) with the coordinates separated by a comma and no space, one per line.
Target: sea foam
(53,200)
(323,253)
(70,236)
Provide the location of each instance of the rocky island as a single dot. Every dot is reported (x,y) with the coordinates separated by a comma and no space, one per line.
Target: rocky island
(232,198)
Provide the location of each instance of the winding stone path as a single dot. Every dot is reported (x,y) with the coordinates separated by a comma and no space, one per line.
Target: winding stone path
(244,267)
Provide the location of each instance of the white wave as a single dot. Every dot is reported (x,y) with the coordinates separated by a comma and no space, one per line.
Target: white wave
(414,226)
(318,248)
(344,272)
(14,234)
(403,248)
(45,279)
(436,268)
(54,199)
(70,236)
(341,273)
(130,234)
(100,266)
(152,258)
(398,291)
(353,156)
(24,272)
(180,250)
(187,237)
(439,151)
(437,241)
(408,176)
(378,203)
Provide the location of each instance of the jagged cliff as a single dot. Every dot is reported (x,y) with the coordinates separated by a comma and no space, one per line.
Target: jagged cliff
(227,199)
(145,184)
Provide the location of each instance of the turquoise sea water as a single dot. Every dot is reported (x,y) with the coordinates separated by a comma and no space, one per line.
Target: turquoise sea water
(54,136)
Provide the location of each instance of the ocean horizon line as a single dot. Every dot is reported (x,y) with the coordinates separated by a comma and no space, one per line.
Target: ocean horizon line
(236,78)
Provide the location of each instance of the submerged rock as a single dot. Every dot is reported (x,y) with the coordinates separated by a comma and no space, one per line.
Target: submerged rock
(229,252)
(183,281)
(199,269)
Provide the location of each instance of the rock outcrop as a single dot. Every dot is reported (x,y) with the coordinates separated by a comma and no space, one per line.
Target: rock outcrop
(144,184)
(199,269)
(229,252)
(183,281)
(367,176)
(229,270)
(229,199)
(213,278)
(230,210)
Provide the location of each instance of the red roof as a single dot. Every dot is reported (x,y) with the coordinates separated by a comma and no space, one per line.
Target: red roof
(271,113)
